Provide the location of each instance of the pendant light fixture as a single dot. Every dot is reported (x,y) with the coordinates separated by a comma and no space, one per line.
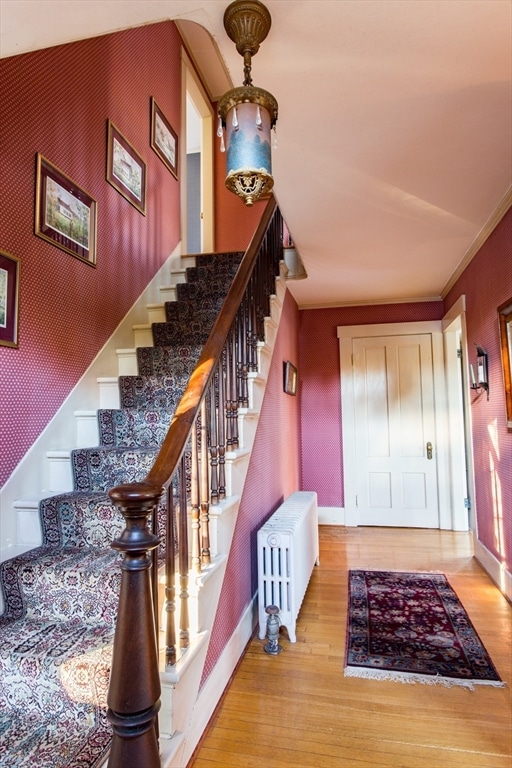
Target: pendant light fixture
(247,114)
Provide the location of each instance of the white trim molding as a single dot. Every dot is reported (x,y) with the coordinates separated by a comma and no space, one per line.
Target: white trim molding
(331,516)
(488,228)
(345,335)
(492,566)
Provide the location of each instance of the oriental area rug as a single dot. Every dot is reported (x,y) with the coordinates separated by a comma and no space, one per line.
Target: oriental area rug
(412,628)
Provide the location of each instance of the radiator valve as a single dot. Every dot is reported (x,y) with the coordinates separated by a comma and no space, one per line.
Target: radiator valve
(273,625)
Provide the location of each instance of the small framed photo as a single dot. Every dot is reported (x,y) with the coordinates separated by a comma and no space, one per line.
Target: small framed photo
(65,214)
(164,139)
(505,319)
(289,378)
(9,299)
(126,170)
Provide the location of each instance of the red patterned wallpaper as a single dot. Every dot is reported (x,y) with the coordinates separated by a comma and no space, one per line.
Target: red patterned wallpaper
(274,474)
(56,102)
(319,369)
(487,283)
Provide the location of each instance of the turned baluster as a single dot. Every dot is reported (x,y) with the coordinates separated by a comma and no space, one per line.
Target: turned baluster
(194,502)
(252,360)
(214,478)
(183,558)
(170,576)
(243,392)
(231,405)
(221,426)
(134,690)
(233,441)
(204,490)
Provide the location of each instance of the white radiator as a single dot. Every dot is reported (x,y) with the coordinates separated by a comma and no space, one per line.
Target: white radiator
(287,551)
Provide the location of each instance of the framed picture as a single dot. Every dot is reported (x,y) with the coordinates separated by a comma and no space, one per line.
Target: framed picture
(9,299)
(164,139)
(505,319)
(126,170)
(65,213)
(289,378)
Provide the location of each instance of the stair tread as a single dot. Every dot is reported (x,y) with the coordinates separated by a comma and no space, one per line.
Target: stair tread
(33,738)
(62,598)
(64,583)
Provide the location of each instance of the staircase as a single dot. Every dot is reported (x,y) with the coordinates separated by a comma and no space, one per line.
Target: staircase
(61,599)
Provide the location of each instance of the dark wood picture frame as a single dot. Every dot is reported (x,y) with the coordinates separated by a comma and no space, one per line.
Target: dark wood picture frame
(289,378)
(9,299)
(164,139)
(126,170)
(505,324)
(65,214)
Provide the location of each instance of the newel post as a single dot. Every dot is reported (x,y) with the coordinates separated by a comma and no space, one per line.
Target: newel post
(134,691)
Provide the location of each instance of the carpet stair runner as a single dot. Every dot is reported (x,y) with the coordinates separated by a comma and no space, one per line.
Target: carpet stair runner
(61,598)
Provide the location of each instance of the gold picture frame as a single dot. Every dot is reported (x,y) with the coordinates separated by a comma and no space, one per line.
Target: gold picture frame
(9,299)
(65,214)
(126,170)
(164,139)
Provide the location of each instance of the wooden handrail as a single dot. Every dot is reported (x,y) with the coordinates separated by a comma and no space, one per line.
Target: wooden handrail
(133,705)
(186,412)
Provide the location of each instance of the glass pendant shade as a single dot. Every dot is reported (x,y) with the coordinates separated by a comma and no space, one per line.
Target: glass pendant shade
(248,161)
(248,114)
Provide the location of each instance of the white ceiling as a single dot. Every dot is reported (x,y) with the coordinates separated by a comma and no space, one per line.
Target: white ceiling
(394,153)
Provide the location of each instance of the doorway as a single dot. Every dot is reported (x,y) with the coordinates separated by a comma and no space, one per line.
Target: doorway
(395,439)
(197,157)
(459,417)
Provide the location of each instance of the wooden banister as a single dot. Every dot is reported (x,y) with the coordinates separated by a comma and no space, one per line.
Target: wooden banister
(184,417)
(134,698)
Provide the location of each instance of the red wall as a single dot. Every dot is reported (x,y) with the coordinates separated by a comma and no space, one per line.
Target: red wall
(487,283)
(57,102)
(319,372)
(274,473)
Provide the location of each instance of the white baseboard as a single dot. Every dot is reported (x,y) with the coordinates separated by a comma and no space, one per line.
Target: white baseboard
(492,566)
(211,692)
(331,516)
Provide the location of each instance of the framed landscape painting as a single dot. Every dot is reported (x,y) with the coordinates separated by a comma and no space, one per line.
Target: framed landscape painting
(126,170)
(65,213)
(9,299)
(164,140)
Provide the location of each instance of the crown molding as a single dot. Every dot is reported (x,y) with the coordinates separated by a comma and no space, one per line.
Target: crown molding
(490,225)
(369,302)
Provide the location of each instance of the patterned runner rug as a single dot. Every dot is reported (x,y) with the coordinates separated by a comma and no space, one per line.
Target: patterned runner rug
(411,627)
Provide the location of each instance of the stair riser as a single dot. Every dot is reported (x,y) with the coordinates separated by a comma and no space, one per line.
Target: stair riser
(100,470)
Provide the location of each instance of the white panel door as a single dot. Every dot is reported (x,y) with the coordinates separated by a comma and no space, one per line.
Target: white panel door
(394,419)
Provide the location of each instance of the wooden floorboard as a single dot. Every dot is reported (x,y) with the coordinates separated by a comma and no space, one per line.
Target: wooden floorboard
(297,710)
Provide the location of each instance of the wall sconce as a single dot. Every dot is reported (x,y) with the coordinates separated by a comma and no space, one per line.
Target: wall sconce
(247,113)
(482,379)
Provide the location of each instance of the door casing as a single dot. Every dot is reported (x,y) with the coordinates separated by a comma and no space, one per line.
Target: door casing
(191,84)
(345,336)
(459,416)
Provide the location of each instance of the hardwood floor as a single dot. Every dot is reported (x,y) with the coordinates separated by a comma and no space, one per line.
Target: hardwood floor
(298,710)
